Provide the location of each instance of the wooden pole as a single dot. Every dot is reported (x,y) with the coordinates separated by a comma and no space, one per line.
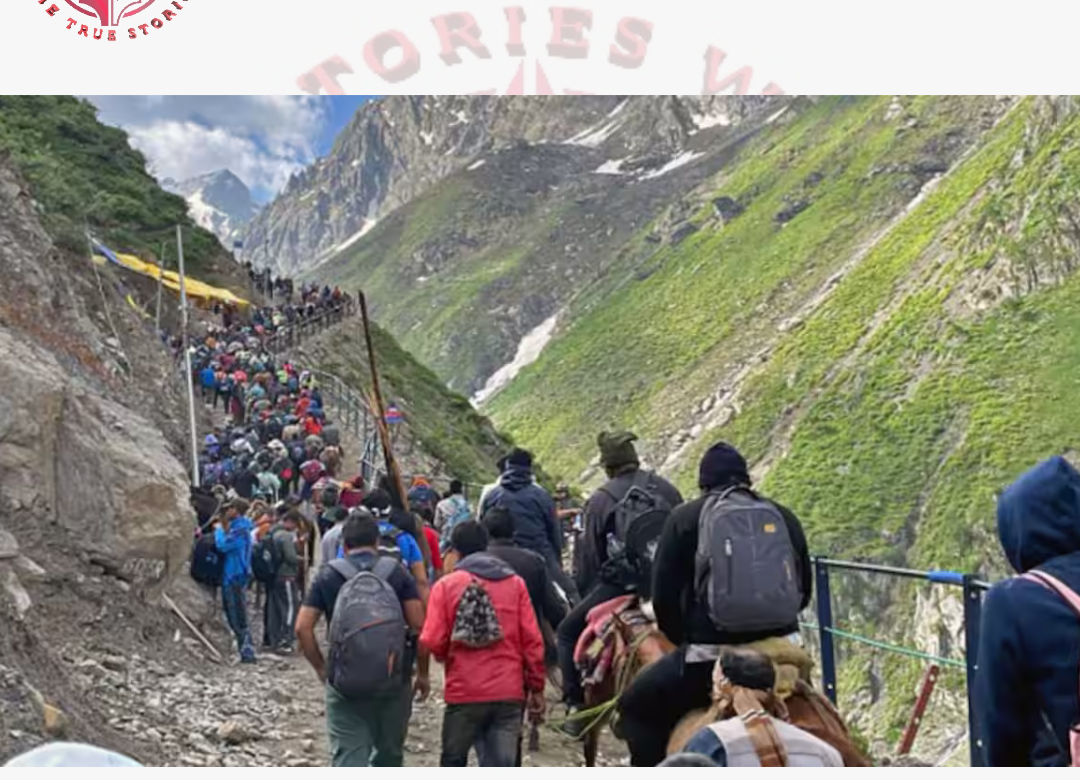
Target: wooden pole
(379,413)
(925,689)
(198,634)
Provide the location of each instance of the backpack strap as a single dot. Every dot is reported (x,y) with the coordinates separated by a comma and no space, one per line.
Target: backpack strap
(1067,594)
(384,567)
(346,568)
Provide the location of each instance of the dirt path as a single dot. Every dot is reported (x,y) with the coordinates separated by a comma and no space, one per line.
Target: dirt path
(271,714)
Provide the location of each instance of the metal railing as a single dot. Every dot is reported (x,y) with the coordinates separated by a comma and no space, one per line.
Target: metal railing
(292,334)
(972,589)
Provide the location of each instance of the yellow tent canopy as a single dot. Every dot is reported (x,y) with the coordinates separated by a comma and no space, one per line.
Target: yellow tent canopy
(195,288)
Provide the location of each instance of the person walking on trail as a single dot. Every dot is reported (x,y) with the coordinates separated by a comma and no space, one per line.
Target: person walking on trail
(532,568)
(393,536)
(482,626)
(485,491)
(751,727)
(232,538)
(421,495)
(370,603)
(623,521)
(451,511)
(535,525)
(1025,695)
(283,601)
(703,598)
(332,546)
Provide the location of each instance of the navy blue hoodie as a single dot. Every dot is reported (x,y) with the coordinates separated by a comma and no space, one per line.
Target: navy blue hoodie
(1027,690)
(533,510)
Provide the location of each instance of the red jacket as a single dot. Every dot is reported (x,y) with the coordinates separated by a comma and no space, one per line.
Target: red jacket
(504,671)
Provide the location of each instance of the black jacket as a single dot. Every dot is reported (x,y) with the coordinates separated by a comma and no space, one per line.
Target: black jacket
(599,522)
(532,568)
(682,618)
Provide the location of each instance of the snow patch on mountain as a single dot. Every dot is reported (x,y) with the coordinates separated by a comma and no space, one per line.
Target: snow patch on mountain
(611,167)
(683,159)
(529,349)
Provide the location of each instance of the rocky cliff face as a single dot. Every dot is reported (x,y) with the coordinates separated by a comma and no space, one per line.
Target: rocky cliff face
(464,272)
(93,493)
(396,148)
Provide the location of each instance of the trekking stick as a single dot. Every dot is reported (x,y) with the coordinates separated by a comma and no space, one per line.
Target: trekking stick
(379,413)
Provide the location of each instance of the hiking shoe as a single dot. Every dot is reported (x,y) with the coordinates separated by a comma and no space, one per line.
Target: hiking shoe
(573,726)
(249,659)
(285,650)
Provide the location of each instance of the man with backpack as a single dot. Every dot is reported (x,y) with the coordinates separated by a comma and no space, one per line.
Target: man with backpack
(370,603)
(451,511)
(623,522)
(731,568)
(283,595)
(232,537)
(482,626)
(1025,694)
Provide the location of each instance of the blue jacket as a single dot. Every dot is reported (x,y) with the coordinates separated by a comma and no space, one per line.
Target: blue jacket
(1029,651)
(535,526)
(208,377)
(236,545)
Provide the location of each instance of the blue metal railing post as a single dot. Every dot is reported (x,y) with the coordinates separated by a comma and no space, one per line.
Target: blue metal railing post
(972,626)
(825,624)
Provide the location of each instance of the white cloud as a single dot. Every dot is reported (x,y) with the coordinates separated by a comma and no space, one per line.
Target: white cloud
(262,138)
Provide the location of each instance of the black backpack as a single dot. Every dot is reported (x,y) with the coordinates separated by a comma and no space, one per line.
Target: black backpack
(266,559)
(207,564)
(638,519)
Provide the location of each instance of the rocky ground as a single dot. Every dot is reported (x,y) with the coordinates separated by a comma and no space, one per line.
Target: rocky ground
(271,714)
(164,702)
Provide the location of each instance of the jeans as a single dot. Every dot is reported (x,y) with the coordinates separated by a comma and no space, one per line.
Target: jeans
(234,600)
(367,732)
(494,728)
(282,604)
(651,707)
(570,631)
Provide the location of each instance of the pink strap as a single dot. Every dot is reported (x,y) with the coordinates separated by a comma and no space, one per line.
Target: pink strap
(1056,585)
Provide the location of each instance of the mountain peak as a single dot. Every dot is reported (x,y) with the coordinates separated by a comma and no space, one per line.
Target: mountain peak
(219,201)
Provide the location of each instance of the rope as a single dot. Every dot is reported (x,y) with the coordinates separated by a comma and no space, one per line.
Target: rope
(604,709)
(891,648)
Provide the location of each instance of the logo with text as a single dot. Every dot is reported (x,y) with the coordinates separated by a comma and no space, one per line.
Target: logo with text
(559,55)
(111,20)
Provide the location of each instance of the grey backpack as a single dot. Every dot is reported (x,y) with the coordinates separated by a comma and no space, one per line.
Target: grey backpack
(744,568)
(367,632)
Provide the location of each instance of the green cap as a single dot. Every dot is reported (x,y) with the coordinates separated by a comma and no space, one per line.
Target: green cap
(617,449)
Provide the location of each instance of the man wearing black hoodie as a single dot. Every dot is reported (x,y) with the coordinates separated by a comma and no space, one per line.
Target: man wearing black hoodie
(681,681)
(536,527)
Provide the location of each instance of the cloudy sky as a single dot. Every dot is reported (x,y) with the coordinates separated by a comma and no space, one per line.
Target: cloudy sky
(262,139)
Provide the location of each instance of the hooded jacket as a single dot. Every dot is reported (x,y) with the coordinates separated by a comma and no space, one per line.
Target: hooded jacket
(1026,691)
(504,671)
(236,545)
(533,510)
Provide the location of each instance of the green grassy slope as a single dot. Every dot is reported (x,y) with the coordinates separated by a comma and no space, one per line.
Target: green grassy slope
(83,172)
(937,369)
(443,423)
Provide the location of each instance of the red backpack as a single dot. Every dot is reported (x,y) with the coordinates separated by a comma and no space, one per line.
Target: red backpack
(1069,596)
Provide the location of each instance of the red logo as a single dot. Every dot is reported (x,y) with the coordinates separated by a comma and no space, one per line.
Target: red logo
(110,12)
(105,16)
